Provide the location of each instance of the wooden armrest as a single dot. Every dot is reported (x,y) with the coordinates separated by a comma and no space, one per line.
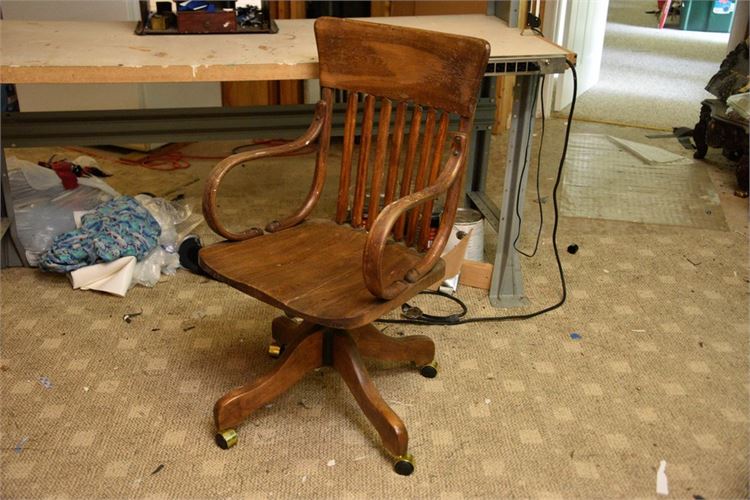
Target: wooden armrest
(383,225)
(211,188)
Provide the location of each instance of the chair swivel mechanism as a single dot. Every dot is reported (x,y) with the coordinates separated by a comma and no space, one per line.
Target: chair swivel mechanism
(333,278)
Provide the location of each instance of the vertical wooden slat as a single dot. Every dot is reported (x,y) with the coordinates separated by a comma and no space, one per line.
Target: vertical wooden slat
(396,139)
(437,155)
(455,192)
(378,166)
(324,143)
(411,152)
(350,127)
(365,139)
(421,178)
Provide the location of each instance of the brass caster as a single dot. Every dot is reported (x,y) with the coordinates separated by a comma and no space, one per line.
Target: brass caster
(429,370)
(404,464)
(275,350)
(226,439)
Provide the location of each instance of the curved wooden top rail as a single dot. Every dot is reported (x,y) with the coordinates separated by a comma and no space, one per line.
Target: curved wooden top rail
(402,64)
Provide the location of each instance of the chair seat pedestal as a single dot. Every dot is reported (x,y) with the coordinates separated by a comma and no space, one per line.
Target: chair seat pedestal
(308,346)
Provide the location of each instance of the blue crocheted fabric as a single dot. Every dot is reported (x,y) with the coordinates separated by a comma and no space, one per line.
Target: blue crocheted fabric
(119,228)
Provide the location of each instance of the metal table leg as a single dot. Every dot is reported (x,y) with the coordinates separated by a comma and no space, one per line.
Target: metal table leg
(479,145)
(506,288)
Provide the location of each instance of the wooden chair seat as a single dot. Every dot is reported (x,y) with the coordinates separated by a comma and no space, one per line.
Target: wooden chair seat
(314,271)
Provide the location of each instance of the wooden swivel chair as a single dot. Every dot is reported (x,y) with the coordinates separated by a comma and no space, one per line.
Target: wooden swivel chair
(337,277)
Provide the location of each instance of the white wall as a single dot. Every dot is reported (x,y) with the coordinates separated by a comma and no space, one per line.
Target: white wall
(50,97)
(71,10)
(578,25)
(739,24)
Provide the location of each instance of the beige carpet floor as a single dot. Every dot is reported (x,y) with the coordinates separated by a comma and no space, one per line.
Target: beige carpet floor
(650,77)
(95,407)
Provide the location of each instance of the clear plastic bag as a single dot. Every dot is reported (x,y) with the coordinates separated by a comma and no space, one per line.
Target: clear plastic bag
(148,271)
(164,259)
(168,214)
(43,208)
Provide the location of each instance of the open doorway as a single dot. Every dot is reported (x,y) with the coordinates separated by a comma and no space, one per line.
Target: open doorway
(640,75)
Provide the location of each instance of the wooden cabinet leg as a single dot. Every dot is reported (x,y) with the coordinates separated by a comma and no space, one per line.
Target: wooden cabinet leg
(347,361)
(300,357)
(373,343)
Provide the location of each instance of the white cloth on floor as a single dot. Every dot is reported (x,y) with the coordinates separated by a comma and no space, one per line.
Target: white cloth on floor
(110,277)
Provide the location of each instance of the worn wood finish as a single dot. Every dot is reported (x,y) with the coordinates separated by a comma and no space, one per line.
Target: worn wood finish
(364,160)
(449,210)
(319,177)
(350,127)
(395,155)
(372,343)
(284,329)
(303,356)
(378,282)
(347,361)
(377,172)
(341,277)
(437,156)
(421,177)
(411,153)
(441,71)
(325,287)
(108,52)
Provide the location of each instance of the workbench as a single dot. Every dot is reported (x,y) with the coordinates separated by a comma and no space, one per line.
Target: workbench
(110,52)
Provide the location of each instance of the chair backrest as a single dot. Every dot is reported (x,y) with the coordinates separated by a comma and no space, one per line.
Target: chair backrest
(425,84)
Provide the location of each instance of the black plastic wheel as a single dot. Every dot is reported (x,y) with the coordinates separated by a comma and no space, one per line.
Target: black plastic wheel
(221,442)
(226,439)
(428,371)
(403,467)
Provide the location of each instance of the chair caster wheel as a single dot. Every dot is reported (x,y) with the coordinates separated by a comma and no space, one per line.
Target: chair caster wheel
(429,370)
(226,439)
(275,350)
(404,465)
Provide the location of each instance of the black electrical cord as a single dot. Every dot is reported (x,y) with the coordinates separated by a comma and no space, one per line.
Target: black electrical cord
(416,313)
(460,321)
(538,195)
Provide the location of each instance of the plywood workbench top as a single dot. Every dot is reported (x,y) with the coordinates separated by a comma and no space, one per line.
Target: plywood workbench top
(110,52)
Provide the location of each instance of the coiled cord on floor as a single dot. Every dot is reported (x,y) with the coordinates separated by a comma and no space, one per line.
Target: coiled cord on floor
(430,320)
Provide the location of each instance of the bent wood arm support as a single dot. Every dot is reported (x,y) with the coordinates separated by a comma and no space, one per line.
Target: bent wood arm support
(211,188)
(376,240)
